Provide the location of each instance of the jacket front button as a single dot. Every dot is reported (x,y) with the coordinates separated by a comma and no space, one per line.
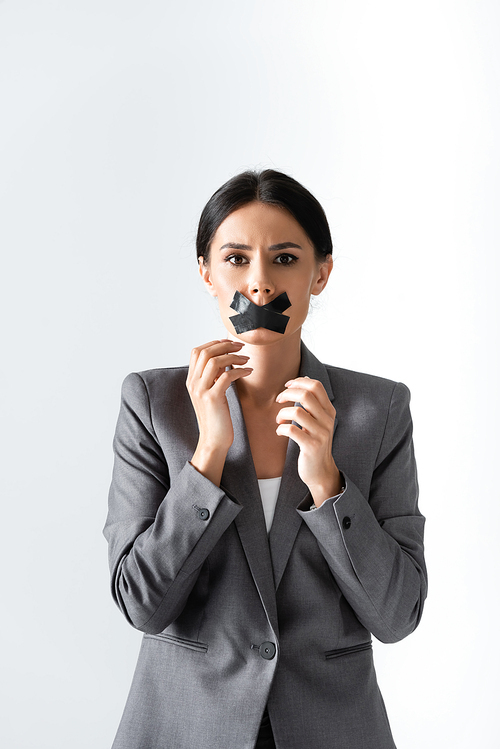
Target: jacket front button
(267,650)
(346,523)
(203,513)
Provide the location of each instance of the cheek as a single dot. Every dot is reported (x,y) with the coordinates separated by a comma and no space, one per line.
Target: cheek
(299,295)
(221,288)
(224,299)
(300,309)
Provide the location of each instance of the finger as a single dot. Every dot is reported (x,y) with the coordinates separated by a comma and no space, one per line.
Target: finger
(214,348)
(196,352)
(217,349)
(300,436)
(310,396)
(299,416)
(324,412)
(305,398)
(231,375)
(312,386)
(216,366)
(310,442)
(201,354)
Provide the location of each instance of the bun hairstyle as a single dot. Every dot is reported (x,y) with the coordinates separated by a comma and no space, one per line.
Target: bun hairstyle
(273,188)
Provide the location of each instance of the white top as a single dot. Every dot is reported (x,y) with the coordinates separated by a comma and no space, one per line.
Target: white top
(269,489)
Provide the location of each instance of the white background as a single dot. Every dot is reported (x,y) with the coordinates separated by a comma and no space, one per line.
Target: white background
(119,118)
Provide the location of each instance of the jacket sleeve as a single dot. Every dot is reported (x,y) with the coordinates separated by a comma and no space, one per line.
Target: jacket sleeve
(374,547)
(159,530)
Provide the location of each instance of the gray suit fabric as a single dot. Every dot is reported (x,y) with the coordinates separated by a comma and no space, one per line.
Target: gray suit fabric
(209,588)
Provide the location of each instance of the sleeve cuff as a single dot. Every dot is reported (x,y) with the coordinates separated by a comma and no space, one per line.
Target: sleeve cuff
(331,499)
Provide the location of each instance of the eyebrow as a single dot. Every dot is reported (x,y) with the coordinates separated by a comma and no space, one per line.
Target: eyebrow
(271,248)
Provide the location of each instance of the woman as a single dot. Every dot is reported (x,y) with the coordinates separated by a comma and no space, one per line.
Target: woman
(263,515)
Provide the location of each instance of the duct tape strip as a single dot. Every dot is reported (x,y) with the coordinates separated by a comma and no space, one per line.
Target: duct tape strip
(252,316)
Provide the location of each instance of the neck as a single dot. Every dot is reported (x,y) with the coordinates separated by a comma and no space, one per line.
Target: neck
(273,365)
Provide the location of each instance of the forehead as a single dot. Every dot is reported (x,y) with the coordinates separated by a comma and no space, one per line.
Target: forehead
(260,223)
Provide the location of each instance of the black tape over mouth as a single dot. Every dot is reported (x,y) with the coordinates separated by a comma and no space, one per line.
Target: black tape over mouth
(251,316)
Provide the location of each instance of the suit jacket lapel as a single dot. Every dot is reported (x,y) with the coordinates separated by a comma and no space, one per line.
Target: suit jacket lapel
(293,492)
(239,480)
(267,558)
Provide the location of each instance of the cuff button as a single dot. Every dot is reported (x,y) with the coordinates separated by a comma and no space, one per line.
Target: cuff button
(203,513)
(267,650)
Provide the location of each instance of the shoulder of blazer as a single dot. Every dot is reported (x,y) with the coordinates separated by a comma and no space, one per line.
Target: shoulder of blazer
(347,384)
(164,372)
(358,395)
(170,377)
(165,390)
(350,379)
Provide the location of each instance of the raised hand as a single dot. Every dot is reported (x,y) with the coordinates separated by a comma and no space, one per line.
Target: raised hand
(207,382)
(316,465)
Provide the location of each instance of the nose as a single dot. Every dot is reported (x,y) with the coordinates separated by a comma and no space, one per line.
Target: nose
(261,287)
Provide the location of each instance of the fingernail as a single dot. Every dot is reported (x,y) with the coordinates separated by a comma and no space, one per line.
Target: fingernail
(287,384)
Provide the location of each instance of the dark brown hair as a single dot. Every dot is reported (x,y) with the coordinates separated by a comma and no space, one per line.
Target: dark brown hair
(273,188)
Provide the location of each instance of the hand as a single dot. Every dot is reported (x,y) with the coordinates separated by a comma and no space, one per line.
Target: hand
(207,382)
(316,465)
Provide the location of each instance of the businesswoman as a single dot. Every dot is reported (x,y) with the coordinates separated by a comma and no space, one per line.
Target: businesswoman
(263,517)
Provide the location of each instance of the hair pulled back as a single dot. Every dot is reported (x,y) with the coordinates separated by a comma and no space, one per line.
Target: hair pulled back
(273,188)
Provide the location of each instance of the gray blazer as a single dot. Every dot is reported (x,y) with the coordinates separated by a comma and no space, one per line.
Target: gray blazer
(234,620)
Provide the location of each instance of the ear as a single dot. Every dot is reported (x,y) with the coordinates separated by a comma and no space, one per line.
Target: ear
(324,270)
(204,269)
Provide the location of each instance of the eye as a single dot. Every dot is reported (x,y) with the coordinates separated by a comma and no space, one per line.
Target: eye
(285,259)
(236,259)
